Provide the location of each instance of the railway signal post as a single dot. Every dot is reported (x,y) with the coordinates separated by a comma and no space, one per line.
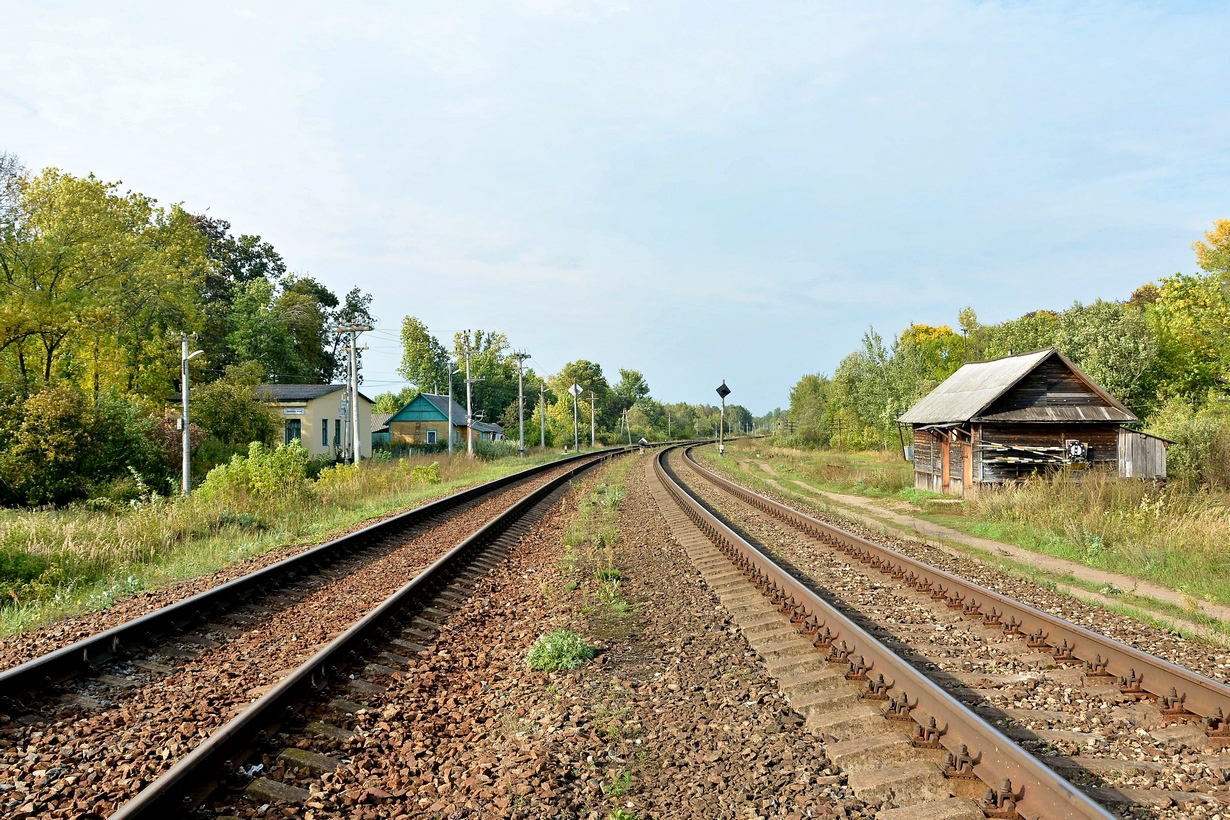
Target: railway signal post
(722,391)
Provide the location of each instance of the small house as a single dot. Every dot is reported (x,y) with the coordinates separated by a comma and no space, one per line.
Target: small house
(317,415)
(999,422)
(424,421)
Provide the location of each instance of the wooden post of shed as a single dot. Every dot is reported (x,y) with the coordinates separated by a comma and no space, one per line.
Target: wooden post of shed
(946,469)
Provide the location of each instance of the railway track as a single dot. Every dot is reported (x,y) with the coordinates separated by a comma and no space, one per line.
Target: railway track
(150,718)
(950,680)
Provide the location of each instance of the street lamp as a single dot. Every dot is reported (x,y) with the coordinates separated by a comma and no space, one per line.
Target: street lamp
(184,358)
(722,391)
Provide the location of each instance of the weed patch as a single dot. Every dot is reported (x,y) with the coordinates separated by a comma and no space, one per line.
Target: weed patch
(558,651)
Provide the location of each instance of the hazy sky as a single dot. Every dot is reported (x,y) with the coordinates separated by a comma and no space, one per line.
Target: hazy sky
(699,190)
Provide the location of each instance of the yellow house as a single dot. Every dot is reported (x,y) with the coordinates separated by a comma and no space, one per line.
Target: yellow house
(317,415)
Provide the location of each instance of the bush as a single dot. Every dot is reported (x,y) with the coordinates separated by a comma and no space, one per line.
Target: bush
(263,474)
(1200,455)
(491,450)
(558,651)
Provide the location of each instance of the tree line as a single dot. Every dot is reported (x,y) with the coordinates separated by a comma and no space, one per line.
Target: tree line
(1164,352)
(97,284)
(619,410)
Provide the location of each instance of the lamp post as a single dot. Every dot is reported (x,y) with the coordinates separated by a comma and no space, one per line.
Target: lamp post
(722,391)
(576,390)
(184,358)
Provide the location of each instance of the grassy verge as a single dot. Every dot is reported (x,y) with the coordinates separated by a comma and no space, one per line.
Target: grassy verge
(58,563)
(1167,536)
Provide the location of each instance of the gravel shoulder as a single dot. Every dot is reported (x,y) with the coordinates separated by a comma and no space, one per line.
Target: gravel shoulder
(675,716)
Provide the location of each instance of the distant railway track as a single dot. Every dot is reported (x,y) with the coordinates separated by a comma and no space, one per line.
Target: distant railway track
(876,613)
(152,716)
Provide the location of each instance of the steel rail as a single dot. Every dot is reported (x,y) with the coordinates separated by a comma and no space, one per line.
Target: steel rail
(196,775)
(1181,693)
(1038,791)
(90,652)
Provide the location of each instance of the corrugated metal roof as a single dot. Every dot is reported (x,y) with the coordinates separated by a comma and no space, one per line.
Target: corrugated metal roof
(380,421)
(487,427)
(971,389)
(966,394)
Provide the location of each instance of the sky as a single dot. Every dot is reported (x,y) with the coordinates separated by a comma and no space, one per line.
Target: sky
(696,190)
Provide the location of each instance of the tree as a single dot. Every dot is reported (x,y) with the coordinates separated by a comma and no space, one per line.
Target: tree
(232,412)
(631,388)
(1115,345)
(424,361)
(809,400)
(1213,255)
(390,402)
(1191,317)
(490,362)
(1033,331)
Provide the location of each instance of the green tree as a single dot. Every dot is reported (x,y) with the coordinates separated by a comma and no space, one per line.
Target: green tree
(232,412)
(1213,255)
(424,361)
(630,388)
(1191,317)
(809,409)
(1033,331)
(1116,346)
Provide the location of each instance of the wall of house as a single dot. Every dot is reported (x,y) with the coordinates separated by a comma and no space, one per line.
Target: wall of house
(414,432)
(326,411)
(1033,448)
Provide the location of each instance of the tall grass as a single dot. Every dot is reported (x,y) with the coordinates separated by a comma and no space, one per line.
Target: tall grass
(55,562)
(1172,535)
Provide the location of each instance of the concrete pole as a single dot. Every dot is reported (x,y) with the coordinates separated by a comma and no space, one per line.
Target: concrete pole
(469,403)
(187,434)
(521,357)
(450,409)
(722,430)
(576,441)
(542,414)
(592,399)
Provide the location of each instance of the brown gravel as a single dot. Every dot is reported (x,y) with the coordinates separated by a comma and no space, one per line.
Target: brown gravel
(106,737)
(16,649)
(1055,712)
(674,718)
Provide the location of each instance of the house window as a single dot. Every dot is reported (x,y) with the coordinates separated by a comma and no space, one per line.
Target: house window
(431,436)
(324,432)
(337,432)
(294,430)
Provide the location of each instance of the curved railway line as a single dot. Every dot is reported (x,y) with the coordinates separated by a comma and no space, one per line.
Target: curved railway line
(932,697)
(152,716)
(948,667)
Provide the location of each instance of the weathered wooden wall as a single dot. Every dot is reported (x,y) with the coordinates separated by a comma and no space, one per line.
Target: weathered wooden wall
(1141,455)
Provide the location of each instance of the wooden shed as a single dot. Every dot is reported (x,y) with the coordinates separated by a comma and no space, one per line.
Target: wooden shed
(1001,421)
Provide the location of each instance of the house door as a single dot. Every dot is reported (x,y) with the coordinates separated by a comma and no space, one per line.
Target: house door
(946,468)
(967,468)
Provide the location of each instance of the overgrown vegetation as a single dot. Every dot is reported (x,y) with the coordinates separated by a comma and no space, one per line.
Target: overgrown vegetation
(558,651)
(61,561)
(1173,535)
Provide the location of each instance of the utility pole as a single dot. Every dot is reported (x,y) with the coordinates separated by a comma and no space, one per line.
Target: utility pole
(451,373)
(184,358)
(668,425)
(469,406)
(353,330)
(542,414)
(521,356)
(628,424)
(592,399)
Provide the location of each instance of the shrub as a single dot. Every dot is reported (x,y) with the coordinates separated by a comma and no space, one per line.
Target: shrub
(491,450)
(264,473)
(558,651)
